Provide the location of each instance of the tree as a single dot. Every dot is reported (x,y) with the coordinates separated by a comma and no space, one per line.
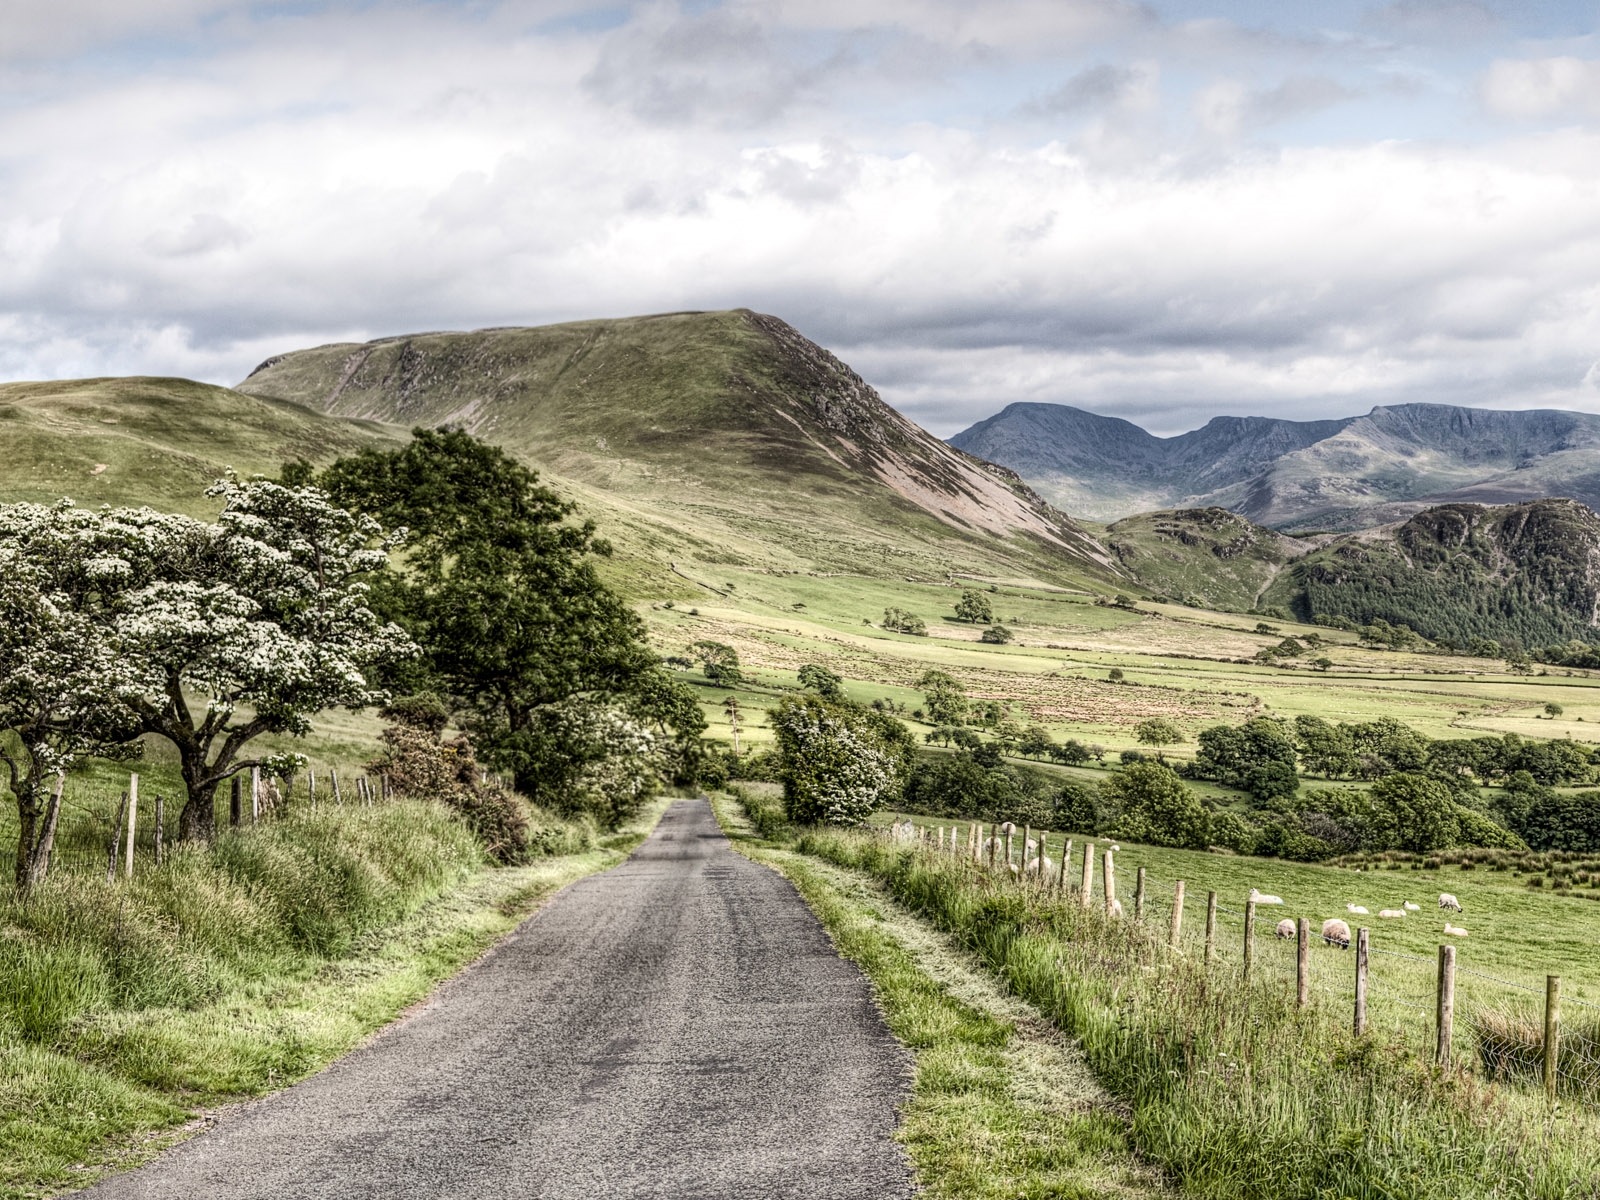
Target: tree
(1553,710)
(65,690)
(1322,663)
(944,699)
(1147,802)
(731,707)
(996,635)
(839,762)
(1114,675)
(973,607)
(898,620)
(1324,748)
(1258,756)
(1425,812)
(1157,731)
(1036,742)
(821,681)
(1071,753)
(719,662)
(499,588)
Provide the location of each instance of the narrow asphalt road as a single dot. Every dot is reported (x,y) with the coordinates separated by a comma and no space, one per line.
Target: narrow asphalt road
(679,1026)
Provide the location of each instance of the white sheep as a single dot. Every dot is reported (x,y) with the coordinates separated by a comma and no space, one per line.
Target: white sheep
(1454,930)
(1286,928)
(1449,903)
(903,831)
(1007,829)
(1033,866)
(1410,907)
(1116,908)
(1357,908)
(1336,933)
(1262,898)
(1390,914)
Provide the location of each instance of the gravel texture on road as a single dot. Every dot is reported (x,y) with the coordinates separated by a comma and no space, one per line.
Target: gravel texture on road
(679,1026)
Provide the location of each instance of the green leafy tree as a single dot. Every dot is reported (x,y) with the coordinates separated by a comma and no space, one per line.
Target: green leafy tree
(1077,808)
(1071,753)
(974,608)
(1325,748)
(1147,802)
(821,681)
(1157,731)
(1036,742)
(1258,757)
(719,662)
(996,635)
(1553,710)
(898,620)
(838,762)
(944,699)
(1424,810)
(499,588)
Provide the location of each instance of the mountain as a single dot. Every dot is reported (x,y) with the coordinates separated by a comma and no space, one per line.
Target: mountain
(1349,473)
(719,436)
(1521,573)
(1208,557)
(159,442)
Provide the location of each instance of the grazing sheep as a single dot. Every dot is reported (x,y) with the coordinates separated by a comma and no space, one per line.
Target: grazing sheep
(1033,866)
(1357,908)
(1286,928)
(1389,914)
(1032,848)
(1336,933)
(1116,908)
(1449,903)
(1007,829)
(1115,849)
(1410,907)
(1262,898)
(1454,930)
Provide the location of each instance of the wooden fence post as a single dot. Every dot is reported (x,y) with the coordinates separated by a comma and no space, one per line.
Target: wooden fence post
(1087,885)
(255,795)
(338,797)
(133,819)
(1138,895)
(1061,876)
(1008,850)
(161,817)
(311,789)
(1249,935)
(1022,867)
(1177,915)
(1552,1034)
(1211,928)
(1363,959)
(235,801)
(1445,1012)
(1302,962)
(1108,877)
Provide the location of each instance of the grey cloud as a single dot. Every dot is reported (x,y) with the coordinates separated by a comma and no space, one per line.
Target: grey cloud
(1100,86)
(202,233)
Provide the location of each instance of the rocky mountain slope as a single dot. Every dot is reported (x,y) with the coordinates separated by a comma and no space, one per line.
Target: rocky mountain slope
(1523,574)
(1208,557)
(723,435)
(1349,473)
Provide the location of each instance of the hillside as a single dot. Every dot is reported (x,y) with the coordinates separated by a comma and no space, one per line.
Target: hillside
(1207,557)
(1524,573)
(722,437)
(159,442)
(1350,473)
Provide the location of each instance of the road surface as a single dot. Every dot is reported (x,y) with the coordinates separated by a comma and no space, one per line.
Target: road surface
(679,1026)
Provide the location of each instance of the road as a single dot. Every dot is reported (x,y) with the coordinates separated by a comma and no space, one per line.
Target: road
(679,1026)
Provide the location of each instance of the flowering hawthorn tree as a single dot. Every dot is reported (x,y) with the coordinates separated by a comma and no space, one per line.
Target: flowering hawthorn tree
(65,686)
(839,762)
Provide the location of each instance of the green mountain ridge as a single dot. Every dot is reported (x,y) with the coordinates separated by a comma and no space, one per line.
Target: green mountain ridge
(722,436)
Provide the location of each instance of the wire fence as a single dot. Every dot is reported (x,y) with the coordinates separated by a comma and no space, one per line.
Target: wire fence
(1436,1008)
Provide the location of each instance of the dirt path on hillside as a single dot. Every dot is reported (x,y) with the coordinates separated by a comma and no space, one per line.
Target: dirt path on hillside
(679,1026)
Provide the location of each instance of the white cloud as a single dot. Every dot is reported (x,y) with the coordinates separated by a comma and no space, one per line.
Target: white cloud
(1543,87)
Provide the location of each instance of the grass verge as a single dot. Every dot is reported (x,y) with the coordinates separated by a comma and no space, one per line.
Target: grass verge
(1232,1090)
(99,1073)
(1002,1105)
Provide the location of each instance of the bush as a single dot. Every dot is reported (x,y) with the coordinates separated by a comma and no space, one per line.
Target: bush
(839,762)
(1146,802)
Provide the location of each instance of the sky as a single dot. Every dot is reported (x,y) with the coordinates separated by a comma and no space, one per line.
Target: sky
(1160,211)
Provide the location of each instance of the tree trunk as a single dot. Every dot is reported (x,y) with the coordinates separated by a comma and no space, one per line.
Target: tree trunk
(198,820)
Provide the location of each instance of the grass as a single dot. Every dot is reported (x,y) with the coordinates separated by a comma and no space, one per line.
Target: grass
(130,1009)
(1002,1105)
(1233,1091)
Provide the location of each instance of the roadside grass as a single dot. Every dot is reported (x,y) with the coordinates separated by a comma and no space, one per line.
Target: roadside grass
(129,1010)
(1003,1105)
(1233,1091)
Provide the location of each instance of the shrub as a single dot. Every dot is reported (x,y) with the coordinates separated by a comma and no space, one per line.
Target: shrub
(839,762)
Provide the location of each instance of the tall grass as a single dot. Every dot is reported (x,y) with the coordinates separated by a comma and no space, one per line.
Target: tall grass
(210,918)
(1235,1092)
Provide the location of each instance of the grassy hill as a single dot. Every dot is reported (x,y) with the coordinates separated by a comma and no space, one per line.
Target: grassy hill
(159,442)
(1208,557)
(721,437)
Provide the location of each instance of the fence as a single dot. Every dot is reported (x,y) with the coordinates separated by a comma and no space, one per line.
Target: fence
(1434,1007)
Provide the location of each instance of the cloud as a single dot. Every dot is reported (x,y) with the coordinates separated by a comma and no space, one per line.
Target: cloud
(1100,87)
(1543,87)
(1228,107)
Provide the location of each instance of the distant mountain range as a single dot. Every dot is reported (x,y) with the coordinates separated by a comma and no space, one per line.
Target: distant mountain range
(1297,476)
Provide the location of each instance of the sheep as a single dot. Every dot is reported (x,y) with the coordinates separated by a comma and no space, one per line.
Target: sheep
(903,831)
(1336,933)
(1286,928)
(1454,930)
(1449,903)
(1389,914)
(1116,908)
(1410,907)
(1033,866)
(1262,898)
(1007,829)
(1357,908)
